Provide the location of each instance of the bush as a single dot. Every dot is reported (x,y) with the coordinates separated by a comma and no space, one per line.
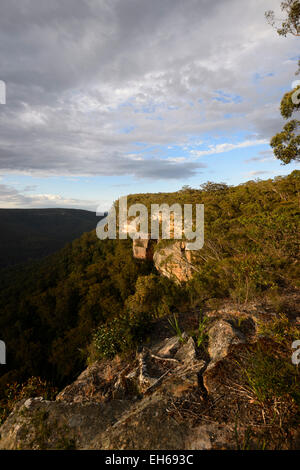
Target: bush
(270,375)
(120,335)
(15,392)
(155,296)
(280,330)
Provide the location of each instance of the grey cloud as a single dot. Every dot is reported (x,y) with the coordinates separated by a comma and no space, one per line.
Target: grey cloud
(254,159)
(89,165)
(77,72)
(11,198)
(263,156)
(258,173)
(9,195)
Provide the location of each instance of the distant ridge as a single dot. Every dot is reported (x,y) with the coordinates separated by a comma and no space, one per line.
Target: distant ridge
(29,234)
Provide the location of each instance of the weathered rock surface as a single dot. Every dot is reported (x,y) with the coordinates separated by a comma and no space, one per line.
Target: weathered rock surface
(174,261)
(187,353)
(169,346)
(40,424)
(221,335)
(171,395)
(142,249)
(86,414)
(208,436)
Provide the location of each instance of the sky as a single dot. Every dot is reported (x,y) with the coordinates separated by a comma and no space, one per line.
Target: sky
(112,97)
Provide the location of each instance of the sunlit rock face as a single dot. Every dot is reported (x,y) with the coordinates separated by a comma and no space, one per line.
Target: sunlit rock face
(171,394)
(174,262)
(142,249)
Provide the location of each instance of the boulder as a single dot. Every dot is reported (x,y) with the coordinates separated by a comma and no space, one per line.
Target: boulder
(220,337)
(169,346)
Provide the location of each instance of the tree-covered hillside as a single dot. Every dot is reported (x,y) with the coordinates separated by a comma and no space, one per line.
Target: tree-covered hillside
(28,234)
(92,298)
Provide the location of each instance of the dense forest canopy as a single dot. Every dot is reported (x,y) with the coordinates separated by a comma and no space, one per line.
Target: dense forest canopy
(28,234)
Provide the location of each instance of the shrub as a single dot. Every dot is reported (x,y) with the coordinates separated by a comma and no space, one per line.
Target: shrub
(120,335)
(280,329)
(15,392)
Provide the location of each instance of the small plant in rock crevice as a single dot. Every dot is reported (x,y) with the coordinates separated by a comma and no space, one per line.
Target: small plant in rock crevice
(176,328)
(202,337)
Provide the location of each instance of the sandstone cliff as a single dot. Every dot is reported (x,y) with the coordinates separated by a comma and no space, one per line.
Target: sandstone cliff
(174,261)
(171,260)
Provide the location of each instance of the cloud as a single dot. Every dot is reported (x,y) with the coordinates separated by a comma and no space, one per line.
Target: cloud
(80,72)
(86,162)
(226,147)
(12,198)
(262,157)
(258,172)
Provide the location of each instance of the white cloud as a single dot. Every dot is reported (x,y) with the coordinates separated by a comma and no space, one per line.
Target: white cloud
(12,198)
(226,147)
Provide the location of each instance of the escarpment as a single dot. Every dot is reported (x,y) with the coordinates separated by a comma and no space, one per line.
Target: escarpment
(197,355)
(170,256)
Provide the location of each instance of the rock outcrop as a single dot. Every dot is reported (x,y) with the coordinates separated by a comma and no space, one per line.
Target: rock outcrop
(171,260)
(142,249)
(171,395)
(112,405)
(220,337)
(174,261)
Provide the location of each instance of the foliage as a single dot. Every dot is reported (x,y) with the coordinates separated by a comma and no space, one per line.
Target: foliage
(15,392)
(286,144)
(271,376)
(28,234)
(49,310)
(121,334)
(175,327)
(92,289)
(155,295)
(280,329)
(291,24)
(201,333)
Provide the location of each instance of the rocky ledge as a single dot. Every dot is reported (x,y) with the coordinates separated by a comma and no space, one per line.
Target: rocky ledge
(171,394)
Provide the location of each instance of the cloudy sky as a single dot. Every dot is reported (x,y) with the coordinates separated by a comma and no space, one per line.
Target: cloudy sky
(110,97)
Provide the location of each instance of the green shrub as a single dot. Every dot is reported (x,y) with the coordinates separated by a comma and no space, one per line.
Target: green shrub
(120,335)
(271,376)
(202,337)
(280,329)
